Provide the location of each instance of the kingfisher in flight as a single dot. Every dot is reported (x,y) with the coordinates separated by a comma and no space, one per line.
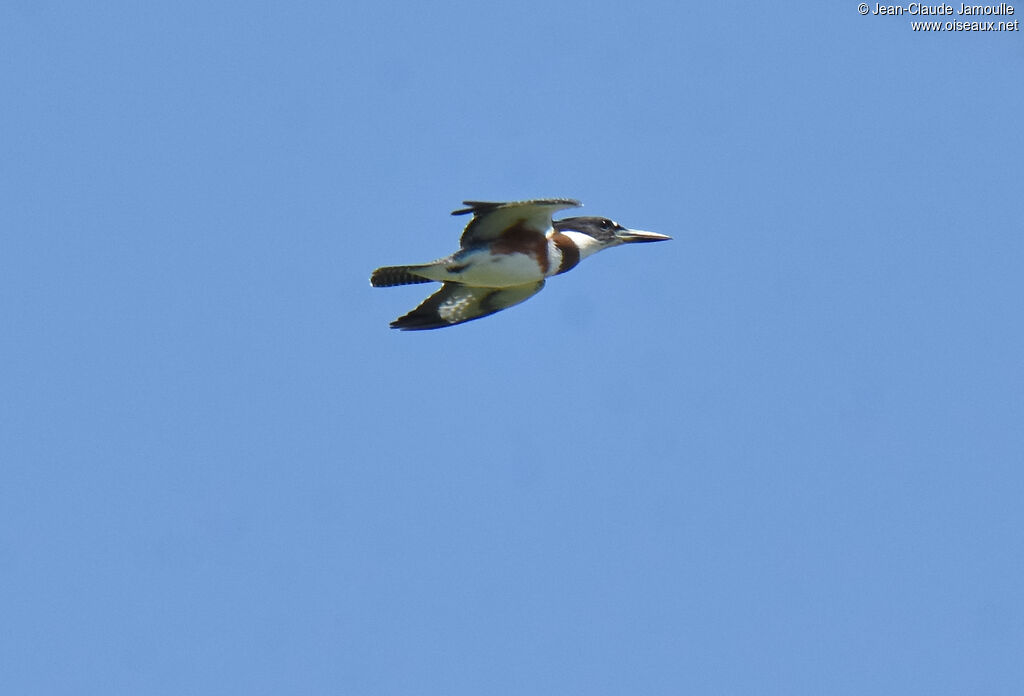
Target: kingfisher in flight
(507,251)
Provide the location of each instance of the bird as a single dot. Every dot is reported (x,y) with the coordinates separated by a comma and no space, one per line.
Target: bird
(507,251)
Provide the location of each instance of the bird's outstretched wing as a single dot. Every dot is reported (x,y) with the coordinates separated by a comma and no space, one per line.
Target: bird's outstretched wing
(491,220)
(455,303)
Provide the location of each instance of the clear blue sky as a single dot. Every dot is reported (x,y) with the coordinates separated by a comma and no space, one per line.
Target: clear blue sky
(781,454)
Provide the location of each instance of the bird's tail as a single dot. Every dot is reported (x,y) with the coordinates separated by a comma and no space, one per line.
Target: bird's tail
(396,275)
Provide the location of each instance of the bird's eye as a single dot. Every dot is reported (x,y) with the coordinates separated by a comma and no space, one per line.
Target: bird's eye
(606,224)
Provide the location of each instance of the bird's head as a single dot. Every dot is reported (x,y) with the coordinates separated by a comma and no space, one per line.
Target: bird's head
(592,234)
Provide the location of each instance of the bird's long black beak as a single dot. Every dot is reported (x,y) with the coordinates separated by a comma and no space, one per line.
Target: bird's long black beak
(627,236)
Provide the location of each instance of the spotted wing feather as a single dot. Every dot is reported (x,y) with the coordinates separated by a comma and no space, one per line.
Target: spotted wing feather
(455,304)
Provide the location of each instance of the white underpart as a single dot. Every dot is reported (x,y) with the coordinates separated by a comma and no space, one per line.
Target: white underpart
(586,244)
(502,270)
(488,270)
(554,258)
